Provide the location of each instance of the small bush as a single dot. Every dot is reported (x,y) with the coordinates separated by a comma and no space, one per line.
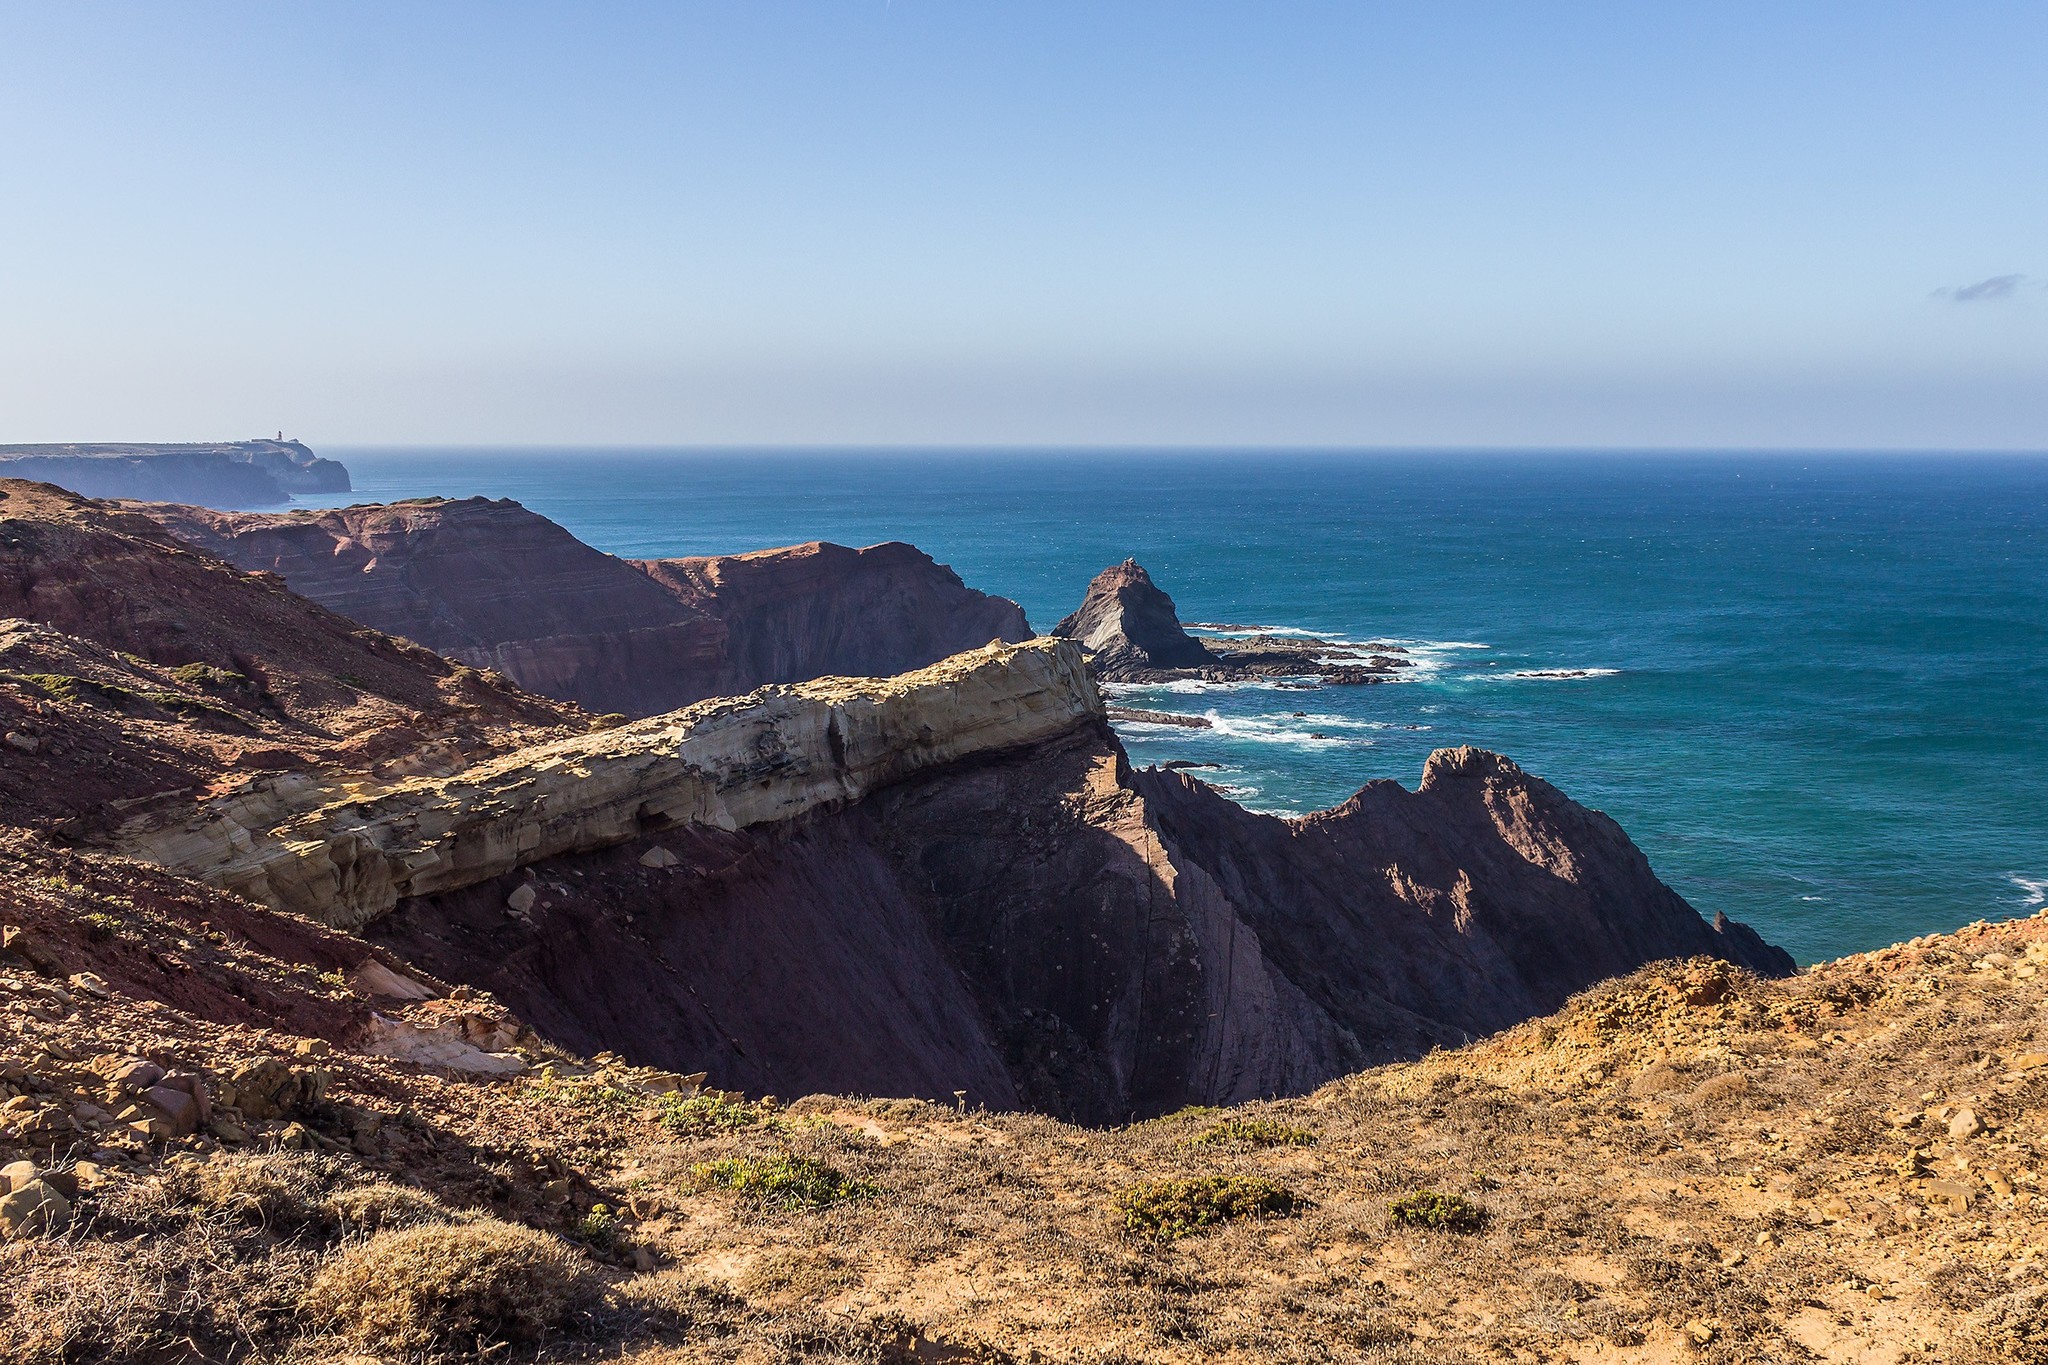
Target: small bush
(1236,1132)
(100,926)
(704,1115)
(1428,1209)
(381,1205)
(427,1287)
(1174,1208)
(279,1190)
(785,1180)
(600,1227)
(586,1094)
(206,675)
(1190,1111)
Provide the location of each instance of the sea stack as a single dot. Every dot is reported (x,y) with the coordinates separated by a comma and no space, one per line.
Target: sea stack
(1127,623)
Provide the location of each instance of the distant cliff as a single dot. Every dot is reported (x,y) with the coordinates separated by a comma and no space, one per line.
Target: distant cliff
(491,583)
(230,474)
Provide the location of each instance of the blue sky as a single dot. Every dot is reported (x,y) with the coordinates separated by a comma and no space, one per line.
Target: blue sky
(1061,223)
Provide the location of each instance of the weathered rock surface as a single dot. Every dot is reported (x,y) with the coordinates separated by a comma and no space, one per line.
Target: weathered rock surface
(821,610)
(946,880)
(344,851)
(133,667)
(495,585)
(1126,623)
(1048,929)
(229,474)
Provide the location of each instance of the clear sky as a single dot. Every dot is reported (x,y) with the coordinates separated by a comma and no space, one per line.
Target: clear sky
(1113,222)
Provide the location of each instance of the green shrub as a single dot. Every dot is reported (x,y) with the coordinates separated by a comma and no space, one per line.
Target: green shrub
(1236,1132)
(1428,1209)
(705,1115)
(600,1227)
(586,1094)
(206,675)
(785,1180)
(1191,1111)
(1174,1208)
(100,926)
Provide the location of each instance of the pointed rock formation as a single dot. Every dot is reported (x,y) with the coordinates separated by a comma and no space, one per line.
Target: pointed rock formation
(1126,623)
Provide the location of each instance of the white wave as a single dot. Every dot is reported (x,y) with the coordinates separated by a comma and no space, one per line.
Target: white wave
(1227,632)
(1551,674)
(2034,889)
(1427,659)
(1194,686)
(1296,733)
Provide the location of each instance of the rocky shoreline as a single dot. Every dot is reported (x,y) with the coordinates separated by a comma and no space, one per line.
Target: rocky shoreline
(1133,634)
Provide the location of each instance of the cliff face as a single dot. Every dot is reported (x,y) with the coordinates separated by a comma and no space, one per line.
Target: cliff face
(820,610)
(1046,928)
(132,667)
(342,850)
(231,474)
(946,880)
(493,584)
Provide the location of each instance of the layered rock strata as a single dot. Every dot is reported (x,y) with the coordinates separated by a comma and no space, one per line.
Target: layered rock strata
(1046,928)
(492,584)
(134,669)
(345,851)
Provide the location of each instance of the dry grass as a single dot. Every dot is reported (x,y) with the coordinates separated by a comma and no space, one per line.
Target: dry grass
(440,1288)
(1685,1165)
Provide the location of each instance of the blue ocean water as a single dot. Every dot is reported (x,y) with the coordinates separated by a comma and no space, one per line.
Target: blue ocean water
(1814,688)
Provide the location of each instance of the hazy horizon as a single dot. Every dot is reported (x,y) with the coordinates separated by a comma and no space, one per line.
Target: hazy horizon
(913,225)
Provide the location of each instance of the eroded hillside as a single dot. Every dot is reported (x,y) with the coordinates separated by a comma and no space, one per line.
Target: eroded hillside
(1689,1163)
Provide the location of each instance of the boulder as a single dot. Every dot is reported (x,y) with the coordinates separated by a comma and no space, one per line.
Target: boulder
(273,1089)
(34,1209)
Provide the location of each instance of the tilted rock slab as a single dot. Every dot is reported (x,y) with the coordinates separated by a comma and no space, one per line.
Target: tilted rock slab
(344,853)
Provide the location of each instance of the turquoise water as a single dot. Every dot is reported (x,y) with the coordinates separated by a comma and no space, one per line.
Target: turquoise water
(1817,689)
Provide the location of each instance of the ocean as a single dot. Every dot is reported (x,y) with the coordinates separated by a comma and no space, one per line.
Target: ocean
(1814,688)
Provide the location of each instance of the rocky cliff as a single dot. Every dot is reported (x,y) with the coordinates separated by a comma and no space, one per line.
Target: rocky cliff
(229,474)
(133,670)
(949,880)
(1048,929)
(495,585)
(343,851)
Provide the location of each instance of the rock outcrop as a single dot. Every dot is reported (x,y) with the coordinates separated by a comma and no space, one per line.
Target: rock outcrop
(1046,928)
(949,880)
(343,851)
(229,474)
(492,584)
(133,668)
(1126,623)
(1133,634)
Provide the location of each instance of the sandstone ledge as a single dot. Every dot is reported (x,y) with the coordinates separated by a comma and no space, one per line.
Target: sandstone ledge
(346,852)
